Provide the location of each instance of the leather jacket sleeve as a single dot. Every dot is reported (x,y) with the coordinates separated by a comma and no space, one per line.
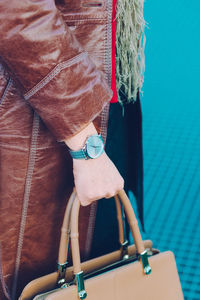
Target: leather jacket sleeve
(54,73)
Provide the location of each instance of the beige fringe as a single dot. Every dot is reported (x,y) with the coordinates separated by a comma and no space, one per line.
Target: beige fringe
(130,43)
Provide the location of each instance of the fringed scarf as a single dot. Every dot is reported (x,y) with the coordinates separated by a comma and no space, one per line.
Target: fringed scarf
(130,43)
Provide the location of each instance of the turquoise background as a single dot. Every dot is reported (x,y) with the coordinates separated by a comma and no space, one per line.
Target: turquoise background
(171,135)
(172,54)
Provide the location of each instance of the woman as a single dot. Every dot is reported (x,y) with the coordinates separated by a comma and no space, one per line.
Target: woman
(55,93)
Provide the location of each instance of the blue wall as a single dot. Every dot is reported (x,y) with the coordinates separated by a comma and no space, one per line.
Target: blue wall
(172,53)
(171,135)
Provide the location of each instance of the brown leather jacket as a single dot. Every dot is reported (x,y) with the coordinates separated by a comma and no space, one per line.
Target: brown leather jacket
(55,64)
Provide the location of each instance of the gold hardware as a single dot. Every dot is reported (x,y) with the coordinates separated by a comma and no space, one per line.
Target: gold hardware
(80,284)
(145,262)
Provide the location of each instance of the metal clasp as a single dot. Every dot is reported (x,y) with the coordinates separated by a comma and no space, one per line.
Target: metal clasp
(62,267)
(80,284)
(145,262)
(124,245)
(62,270)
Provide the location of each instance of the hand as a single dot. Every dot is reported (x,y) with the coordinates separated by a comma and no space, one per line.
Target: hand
(96,178)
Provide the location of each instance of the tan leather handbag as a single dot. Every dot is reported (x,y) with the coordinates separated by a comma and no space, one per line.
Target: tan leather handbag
(134,272)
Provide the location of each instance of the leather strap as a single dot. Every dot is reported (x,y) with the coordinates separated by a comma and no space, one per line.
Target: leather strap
(120,221)
(74,229)
(65,230)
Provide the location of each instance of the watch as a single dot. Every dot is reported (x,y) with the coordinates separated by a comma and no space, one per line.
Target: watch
(93,148)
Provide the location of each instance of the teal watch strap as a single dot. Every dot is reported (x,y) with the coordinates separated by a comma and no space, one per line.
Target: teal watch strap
(78,154)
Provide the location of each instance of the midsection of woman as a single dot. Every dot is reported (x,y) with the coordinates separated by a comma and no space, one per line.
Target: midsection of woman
(36,169)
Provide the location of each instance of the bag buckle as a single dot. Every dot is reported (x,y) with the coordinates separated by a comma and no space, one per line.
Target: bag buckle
(125,254)
(145,262)
(62,269)
(80,284)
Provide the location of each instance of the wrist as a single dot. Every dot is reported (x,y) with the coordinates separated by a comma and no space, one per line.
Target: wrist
(93,148)
(77,141)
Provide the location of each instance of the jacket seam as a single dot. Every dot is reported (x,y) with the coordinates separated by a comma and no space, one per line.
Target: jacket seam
(3,284)
(84,18)
(5,92)
(27,188)
(58,68)
(104,113)
(104,120)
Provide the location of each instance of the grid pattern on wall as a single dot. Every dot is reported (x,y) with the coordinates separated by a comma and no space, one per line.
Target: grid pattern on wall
(171,135)
(172,190)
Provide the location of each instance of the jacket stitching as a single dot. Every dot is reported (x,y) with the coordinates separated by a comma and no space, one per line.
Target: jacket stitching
(61,66)
(75,22)
(104,120)
(84,3)
(3,284)
(5,91)
(104,47)
(29,175)
(104,113)
(71,19)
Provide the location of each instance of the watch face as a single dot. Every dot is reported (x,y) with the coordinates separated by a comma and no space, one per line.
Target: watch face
(94,146)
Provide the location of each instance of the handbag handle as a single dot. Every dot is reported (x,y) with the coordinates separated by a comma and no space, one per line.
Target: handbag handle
(65,234)
(75,242)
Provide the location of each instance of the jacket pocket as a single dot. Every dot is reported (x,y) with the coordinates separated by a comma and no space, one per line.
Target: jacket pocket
(81,19)
(90,31)
(3,286)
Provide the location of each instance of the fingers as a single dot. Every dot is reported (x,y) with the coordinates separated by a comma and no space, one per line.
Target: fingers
(117,188)
(96,179)
(89,198)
